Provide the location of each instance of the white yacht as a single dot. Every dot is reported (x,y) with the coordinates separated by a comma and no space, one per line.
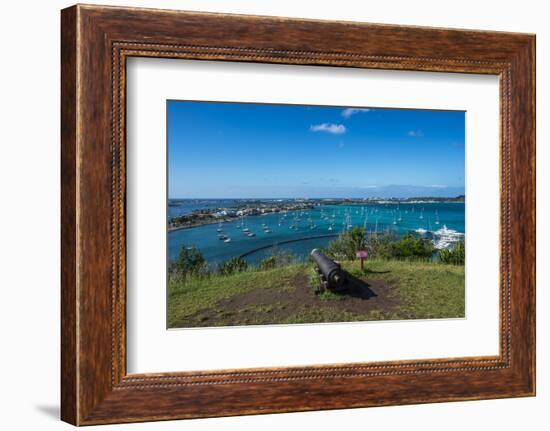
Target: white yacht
(445,237)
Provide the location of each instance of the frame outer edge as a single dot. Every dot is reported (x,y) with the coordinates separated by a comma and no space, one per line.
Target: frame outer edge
(88,397)
(533,53)
(532,82)
(69,197)
(523,216)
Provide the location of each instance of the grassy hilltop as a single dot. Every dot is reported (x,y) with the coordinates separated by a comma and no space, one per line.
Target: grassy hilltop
(401,280)
(386,290)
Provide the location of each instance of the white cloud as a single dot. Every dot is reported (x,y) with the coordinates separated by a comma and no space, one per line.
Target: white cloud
(336,129)
(415,133)
(348,112)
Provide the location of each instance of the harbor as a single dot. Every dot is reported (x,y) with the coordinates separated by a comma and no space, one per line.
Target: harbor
(254,235)
(291,214)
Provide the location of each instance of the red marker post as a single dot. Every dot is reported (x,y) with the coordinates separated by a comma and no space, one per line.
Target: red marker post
(362,254)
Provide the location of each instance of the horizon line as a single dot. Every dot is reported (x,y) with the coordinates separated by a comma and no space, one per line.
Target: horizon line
(333,197)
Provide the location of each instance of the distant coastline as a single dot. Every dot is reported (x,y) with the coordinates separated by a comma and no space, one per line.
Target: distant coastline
(223,214)
(256,207)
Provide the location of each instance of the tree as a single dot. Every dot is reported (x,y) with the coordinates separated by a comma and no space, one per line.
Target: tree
(380,245)
(347,244)
(190,262)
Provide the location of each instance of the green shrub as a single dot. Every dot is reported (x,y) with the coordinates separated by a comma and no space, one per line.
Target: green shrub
(190,262)
(410,247)
(380,245)
(233,265)
(453,256)
(346,245)
(276,260)
(268,263)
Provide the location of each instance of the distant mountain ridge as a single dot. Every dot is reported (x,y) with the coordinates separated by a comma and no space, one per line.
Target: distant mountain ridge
(334,191)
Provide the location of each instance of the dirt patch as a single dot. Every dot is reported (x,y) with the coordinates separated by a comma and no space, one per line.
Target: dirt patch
(295,297)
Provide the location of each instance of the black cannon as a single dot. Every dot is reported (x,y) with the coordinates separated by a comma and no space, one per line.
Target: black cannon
(332,276)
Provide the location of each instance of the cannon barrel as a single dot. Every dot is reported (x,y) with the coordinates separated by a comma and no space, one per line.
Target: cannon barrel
(332,275)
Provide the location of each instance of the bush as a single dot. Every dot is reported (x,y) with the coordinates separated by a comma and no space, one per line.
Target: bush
(190,262)
(277,260)
(454,256)
(380,246)
(410,247)
(233,265)
(346,245)
(268,263)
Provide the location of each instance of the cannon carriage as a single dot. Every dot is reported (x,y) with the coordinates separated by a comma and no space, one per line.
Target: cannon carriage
(330,272)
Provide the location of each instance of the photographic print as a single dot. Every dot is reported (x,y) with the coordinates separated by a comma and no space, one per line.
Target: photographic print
(289,214)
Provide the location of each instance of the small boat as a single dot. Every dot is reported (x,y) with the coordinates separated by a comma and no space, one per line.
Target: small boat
(243,224)
(250,234)
(421,231)
(227,239)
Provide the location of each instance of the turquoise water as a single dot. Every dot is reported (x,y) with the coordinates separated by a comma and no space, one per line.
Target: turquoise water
(311,223)
(178,207)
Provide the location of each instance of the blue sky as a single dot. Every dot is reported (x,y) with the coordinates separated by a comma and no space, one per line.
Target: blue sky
(238,150)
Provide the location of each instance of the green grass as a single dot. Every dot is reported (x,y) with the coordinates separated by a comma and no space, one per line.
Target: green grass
(417,290)
(188,297)
(427,290)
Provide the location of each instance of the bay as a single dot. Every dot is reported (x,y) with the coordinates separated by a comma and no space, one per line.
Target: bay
(298,232)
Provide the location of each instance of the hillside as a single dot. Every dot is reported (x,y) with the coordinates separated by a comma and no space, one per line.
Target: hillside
(386,290)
